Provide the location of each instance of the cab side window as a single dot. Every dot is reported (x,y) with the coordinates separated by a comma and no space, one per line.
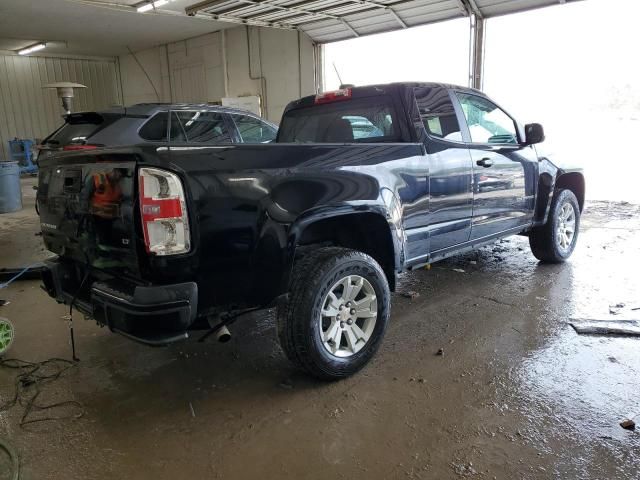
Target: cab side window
(437,113)
(199,127)
(487,122)
(253,130)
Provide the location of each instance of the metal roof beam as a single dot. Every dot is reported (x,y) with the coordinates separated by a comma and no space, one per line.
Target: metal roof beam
(294,9)
(349,27)
(326,10)
(196,8)
(211,4)
(242,21)
(474,8)
(395,15)
(382,6)
(463,7)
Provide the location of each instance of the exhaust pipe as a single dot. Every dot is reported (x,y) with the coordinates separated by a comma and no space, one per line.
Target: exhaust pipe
(223,335)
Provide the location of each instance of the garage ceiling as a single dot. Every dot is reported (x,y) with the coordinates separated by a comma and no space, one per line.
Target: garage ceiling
(331,20)
(111,27)
(96,27)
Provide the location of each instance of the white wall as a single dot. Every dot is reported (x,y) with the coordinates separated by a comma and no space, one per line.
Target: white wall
(278,66)
(136,87)
(197,71)
(29,111)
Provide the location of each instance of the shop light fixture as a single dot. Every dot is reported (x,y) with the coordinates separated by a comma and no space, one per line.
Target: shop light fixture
(32,48)
(145,7)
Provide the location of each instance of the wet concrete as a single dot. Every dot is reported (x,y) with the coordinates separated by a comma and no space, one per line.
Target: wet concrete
(517,393)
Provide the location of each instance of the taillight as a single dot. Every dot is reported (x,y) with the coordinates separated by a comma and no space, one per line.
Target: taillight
(79,147)
(164,212)
(326,97)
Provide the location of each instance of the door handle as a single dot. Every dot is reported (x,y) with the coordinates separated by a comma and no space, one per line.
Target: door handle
(485,162)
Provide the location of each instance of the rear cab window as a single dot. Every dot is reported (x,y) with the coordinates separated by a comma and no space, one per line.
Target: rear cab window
(360,120)
(437,113)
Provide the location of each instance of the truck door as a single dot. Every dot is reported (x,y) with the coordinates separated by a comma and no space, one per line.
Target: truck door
(450,171)
(504,171)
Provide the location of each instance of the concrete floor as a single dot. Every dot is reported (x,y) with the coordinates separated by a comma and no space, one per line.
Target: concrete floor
(517,394)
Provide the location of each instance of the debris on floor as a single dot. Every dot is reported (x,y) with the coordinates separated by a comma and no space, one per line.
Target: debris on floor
(30,383)
(4,302)
(459,270)
(440,352)
(628,424)
(606,327)
(464,470)
(411,295)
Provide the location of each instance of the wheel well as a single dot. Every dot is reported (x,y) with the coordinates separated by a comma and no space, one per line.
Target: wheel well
(365,232)
(573,182)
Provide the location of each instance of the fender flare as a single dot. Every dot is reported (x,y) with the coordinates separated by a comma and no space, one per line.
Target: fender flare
(308,218)
(550,177)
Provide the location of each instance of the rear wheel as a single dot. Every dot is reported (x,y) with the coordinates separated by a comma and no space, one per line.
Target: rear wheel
(555,241)
(337,312)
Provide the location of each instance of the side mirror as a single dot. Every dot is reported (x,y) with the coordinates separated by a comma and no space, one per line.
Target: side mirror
(534,133)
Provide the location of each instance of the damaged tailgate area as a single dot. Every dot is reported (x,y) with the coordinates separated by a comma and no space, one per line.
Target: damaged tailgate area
(88,212)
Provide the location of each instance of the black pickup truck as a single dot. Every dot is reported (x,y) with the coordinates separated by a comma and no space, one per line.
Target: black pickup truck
(361,184)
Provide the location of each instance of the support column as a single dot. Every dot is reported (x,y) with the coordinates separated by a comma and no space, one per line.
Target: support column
(318,54)
(476,51)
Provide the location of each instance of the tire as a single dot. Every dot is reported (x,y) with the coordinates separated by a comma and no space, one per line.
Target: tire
(546,241)
(323,280)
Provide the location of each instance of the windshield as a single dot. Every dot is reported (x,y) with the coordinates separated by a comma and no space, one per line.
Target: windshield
(348,121)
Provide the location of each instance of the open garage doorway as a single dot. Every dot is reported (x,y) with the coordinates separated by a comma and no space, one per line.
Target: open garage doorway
(437,52)
(582,85)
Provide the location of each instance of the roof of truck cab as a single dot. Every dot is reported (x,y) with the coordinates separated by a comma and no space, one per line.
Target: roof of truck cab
(450,86)
(383,88)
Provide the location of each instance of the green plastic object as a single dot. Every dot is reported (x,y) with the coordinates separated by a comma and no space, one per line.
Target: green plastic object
(6,335)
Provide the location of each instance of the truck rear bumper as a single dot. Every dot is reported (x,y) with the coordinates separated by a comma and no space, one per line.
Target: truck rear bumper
(154,315)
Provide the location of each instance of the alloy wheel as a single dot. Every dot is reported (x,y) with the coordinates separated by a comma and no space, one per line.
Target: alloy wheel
(566,227)
(348,316)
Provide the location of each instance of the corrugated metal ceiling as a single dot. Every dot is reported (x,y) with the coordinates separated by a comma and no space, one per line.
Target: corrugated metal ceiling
(332,20)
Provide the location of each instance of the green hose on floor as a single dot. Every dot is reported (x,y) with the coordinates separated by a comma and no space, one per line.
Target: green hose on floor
(13,456)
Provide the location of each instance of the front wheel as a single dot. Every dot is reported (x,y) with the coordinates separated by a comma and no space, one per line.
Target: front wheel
(337,312)
(555,241)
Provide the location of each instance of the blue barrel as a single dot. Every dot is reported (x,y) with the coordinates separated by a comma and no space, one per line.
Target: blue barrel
(10,191)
